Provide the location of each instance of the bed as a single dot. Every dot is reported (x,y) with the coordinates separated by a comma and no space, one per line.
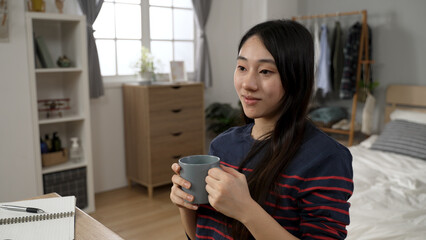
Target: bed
(389,200)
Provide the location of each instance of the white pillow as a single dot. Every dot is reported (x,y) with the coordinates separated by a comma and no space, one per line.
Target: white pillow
(367,143)
(410,116)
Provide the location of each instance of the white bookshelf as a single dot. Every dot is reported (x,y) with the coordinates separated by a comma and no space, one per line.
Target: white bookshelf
(63,35)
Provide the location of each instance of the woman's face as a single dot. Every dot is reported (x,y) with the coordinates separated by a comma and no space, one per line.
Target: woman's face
(257,81)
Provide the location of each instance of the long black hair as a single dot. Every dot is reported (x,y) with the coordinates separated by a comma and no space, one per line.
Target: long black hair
(291,46)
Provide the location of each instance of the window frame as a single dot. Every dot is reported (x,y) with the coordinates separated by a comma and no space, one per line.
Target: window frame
(146,39)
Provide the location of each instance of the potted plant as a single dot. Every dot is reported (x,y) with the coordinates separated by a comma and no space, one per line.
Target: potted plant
(365,88)
(222,116)
(145,65)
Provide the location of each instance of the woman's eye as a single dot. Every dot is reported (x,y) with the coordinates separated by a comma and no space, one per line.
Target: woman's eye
(241,68)
(265,71)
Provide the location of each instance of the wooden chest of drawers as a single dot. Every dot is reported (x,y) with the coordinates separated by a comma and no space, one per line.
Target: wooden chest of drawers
(162,124)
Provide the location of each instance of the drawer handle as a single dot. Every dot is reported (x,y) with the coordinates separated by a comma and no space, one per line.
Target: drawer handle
(176,110)
(175,87)
(177,134)
(177,156)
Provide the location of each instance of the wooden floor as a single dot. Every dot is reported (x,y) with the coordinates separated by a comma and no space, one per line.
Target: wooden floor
(132,215)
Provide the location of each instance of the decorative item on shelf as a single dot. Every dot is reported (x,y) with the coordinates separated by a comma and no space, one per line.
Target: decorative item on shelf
(36,5)
(60,5)
(4,26)
(54,158)
(53,107)
(43,53)
(177,71)
(76,151)
(145,65)
(63,61)
(52,152)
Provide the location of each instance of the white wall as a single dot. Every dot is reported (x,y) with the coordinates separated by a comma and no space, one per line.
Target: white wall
(17,175)
(108,140)
(399,36)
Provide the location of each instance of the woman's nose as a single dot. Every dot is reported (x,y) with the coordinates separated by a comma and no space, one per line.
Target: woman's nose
(250,82)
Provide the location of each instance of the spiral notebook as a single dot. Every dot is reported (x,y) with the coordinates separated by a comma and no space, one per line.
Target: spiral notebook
(56,223)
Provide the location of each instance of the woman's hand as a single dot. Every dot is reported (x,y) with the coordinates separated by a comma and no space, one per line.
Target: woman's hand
(229,192)
(178,196)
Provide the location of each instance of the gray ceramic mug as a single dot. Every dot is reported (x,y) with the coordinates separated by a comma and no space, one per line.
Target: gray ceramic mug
(194,169)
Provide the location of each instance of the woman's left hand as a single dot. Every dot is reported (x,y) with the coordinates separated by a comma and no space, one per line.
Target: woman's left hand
(228,192)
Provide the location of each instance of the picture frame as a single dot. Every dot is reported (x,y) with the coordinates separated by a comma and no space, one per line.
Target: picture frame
(177,71)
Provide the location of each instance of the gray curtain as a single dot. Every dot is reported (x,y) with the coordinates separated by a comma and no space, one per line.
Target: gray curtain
(91,9)
(203,69)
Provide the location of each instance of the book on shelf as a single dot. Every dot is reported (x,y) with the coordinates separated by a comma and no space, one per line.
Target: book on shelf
(42,52)
(57,222)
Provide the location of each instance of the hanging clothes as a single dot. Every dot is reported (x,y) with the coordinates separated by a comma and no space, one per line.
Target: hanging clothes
(351,50)
(347,87)
(317,53)
(336,52)
(323,71)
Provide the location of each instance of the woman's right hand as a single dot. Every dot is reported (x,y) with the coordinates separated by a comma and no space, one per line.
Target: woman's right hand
(177,195)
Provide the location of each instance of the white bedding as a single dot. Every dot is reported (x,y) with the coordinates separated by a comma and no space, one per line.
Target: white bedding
(389,200)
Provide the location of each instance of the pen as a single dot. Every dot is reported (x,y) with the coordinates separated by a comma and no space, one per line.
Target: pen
(22,209)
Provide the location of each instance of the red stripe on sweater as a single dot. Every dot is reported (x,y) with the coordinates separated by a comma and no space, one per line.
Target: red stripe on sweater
(317,237)
(318,178)
(328,208)
(315,188)
(326,188)
(280,207)
(333,231)
(236,167)
(337,229)
(287,218)
(288,186)
(283,196)
(214,229)
(213,219)
(339,223)
(204,237)
(207,206)
(329,198)
(292,228)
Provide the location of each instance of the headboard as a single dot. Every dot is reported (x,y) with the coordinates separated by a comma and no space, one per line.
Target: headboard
(405,97)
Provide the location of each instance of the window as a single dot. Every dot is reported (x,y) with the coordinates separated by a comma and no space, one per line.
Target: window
(166,27)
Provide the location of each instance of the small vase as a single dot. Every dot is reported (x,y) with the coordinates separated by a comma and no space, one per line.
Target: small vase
(146,76)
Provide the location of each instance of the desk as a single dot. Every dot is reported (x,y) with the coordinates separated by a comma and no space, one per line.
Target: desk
(86,227)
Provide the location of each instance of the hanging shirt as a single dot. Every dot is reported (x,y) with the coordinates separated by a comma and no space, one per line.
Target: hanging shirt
(336,50)
(351,52)
(323,71)
(317,53)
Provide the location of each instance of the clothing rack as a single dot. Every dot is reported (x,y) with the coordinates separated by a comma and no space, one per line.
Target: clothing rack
(363,62)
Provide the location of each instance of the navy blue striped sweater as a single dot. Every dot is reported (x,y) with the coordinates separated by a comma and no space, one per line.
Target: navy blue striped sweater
(314,190)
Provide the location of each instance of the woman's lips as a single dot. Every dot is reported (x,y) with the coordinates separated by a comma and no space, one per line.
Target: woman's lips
(250,100)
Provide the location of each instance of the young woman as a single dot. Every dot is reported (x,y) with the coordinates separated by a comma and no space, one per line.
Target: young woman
(280,178)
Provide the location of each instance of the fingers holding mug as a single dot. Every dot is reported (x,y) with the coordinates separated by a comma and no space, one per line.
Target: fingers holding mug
(179,197)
